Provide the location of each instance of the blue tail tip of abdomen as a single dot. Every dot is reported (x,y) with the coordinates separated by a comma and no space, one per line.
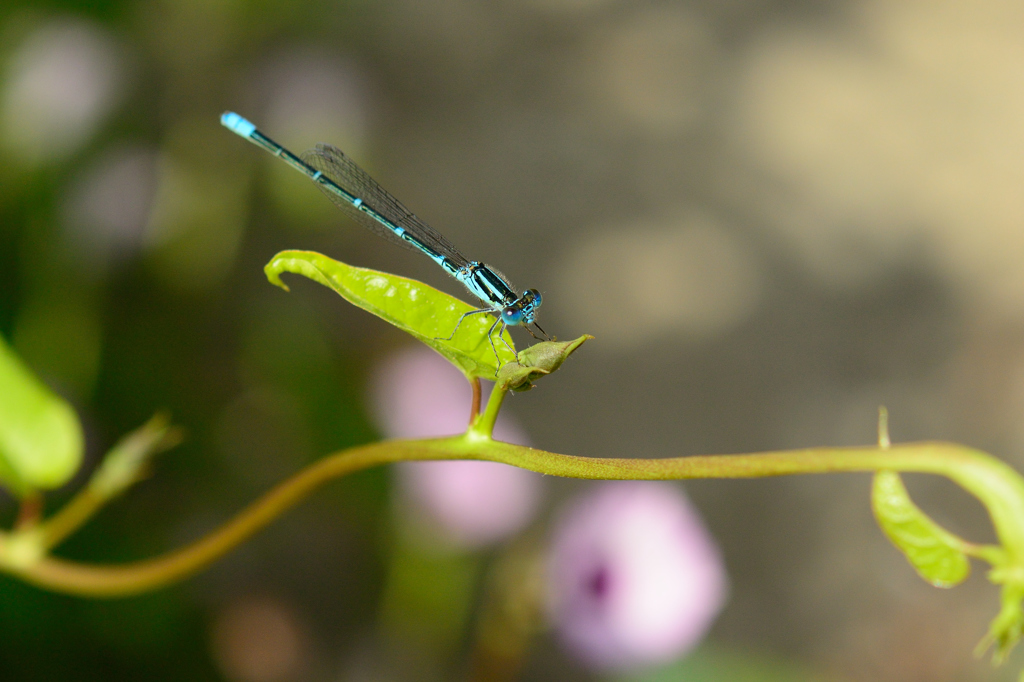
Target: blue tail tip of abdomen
(236,124)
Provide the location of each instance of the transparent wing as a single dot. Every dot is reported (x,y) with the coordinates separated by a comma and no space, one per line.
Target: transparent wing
(333,163)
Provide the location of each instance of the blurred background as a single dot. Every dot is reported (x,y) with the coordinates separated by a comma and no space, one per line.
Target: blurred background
(773,215)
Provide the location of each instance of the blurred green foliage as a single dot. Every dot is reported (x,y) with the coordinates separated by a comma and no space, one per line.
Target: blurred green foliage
(182,321)
(715,664)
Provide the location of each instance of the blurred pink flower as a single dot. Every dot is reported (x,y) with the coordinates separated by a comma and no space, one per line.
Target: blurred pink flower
(60,82)
(418,394)
(107,207)
(634,578)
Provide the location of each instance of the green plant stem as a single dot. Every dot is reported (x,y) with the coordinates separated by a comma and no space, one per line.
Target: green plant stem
(29,511)
(142,576)
(474,405)
(71,517)
(482,427)
(997,485)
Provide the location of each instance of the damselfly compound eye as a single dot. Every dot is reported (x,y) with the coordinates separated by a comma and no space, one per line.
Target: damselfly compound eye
(512,315)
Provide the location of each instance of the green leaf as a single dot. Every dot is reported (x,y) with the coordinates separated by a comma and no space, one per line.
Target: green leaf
(40,437)
(129,460)
(934,552)
(418,309)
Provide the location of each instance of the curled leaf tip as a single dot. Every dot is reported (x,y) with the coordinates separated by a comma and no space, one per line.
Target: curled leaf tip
(536,361)
(273,271)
